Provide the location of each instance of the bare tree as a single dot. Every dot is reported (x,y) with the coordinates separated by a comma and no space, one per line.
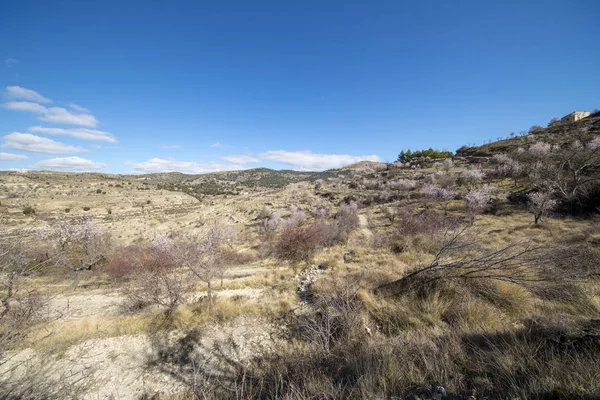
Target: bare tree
(18,305)
(477,200)
(447,164)
(202,254)
(76,244)
(523,263)
(540,203)
(472,176)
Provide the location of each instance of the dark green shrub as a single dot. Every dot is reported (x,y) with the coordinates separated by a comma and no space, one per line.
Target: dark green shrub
(28,210)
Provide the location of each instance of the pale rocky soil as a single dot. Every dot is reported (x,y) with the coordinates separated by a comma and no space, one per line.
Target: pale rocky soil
(126,367)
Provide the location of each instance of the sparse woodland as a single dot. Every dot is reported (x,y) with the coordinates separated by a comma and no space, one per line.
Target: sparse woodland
(475,276)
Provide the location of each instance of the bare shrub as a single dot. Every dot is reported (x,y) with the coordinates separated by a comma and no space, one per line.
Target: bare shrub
(523,263)
(428,222)
(298,243)
(155,280)
(269,225)
(347,218)
(123,262)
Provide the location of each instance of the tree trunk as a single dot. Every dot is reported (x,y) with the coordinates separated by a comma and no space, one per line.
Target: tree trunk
(209,292)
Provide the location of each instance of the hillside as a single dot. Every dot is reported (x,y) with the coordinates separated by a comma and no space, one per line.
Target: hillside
(420,279)
(582,130)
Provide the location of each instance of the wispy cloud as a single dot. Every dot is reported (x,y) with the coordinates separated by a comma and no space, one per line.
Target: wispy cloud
(241,159)
(25,106)
(172,146)
(78,108)
(217,145)
(304,160)
(63,116)
(155,165)
(12,157)
(11,61)
(20,93)
(53,114)
(27,100)
(74,164)
(38,144)
(79,133)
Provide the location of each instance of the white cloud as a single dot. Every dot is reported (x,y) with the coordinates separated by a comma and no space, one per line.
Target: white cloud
(11,61)
(53,114)
(38,144)
(79,133)
(307,160)
(155,165)
(63,116)
(172,146)
(25,106)
(12,157)
(241,159)
(75,164)
(78,108)
(217,145)
(20,93)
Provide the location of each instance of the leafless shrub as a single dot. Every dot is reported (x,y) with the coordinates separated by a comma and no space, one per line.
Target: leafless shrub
(123,262)
(298,243)
(522,263)
(268,226)
(155,280)
(428,222)
(320,213)
(336,318)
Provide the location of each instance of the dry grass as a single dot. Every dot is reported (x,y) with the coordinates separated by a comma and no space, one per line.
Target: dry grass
(58,336)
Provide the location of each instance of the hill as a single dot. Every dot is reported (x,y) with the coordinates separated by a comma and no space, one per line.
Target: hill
(561,135)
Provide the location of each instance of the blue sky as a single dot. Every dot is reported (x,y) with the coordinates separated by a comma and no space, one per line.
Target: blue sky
(196,86)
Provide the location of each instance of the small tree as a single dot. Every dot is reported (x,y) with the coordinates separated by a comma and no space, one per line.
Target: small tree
(540,203)
(472,176)
(202,255)
(447,164)
(76,244)
(477,200)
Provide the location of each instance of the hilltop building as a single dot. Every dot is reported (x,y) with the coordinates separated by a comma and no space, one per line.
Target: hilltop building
(574,116)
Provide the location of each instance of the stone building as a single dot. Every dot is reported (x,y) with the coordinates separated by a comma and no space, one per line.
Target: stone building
(574,116)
